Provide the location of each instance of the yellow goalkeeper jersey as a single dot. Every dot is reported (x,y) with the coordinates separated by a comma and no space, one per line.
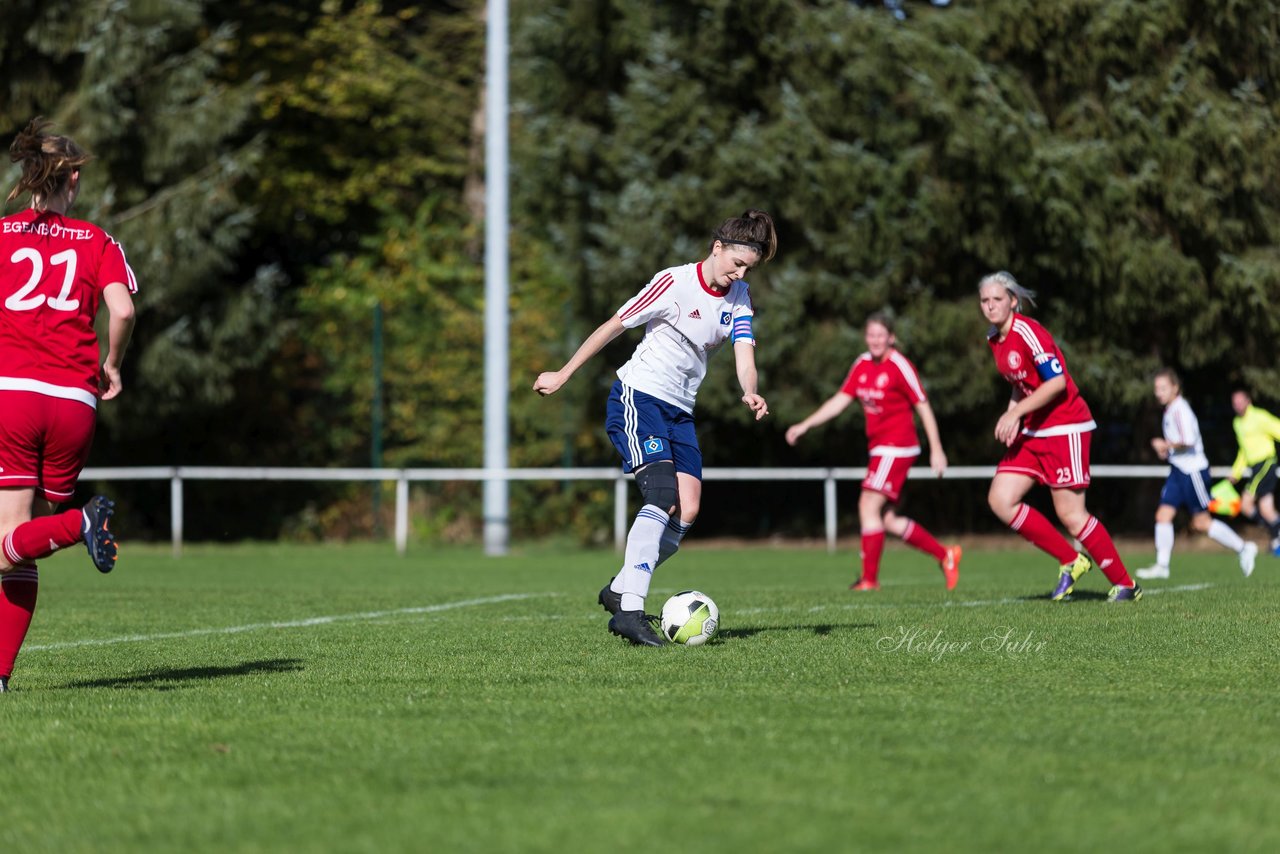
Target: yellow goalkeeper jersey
(1256,433)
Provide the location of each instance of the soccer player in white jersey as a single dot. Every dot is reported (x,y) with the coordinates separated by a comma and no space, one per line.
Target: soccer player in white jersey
(55,272)
(687,312)
(1188,482)
(887,385)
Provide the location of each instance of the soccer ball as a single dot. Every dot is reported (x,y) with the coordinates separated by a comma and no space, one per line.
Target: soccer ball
(690,618)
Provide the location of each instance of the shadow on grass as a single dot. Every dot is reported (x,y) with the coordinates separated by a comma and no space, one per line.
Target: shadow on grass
(1075,596)
(821,629)
(167,680)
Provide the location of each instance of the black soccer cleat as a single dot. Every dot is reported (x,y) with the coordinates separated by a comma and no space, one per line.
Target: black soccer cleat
(610,601)
(4,684)
(637,627)
(97,535)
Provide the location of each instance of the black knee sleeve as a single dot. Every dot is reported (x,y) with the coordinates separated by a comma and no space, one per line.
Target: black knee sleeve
(657,482)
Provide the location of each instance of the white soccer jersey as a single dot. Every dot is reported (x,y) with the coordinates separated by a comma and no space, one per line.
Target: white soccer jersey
(1182,428)
(685,322)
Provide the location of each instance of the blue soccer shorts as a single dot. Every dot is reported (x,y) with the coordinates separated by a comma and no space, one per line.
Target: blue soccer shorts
(646,429)
(1186,490)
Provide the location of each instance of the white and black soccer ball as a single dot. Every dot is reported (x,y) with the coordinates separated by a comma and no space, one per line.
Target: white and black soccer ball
(690,618)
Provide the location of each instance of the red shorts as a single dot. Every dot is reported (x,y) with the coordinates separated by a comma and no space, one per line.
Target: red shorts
(44,442)
(1059,462)
(886,474)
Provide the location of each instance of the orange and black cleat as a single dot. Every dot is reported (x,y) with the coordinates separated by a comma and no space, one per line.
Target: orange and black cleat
(97,532)
(951,566)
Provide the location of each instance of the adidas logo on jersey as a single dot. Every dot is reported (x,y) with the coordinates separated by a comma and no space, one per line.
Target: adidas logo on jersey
(695,315)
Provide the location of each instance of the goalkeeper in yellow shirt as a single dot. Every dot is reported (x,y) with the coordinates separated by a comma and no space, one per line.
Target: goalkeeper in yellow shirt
(1256,432)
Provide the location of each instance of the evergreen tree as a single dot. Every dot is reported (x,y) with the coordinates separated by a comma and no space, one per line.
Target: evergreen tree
(1117,156)
(144,87)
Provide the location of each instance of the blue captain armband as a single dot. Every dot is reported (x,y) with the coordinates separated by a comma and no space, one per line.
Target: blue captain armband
(742,329)
(1048,367)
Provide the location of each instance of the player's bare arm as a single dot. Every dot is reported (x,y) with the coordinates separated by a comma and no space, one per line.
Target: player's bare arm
(549,382)
(119,331)
(744,355)
(830,408)
(1011,422)
(937,457)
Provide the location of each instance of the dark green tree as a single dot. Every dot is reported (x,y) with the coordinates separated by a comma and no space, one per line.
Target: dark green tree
(144,86)
(1119,157)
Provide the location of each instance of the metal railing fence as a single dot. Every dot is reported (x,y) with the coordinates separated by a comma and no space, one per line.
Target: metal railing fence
(403,477)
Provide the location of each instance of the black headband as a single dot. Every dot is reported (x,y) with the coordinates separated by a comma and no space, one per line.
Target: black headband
(751,244)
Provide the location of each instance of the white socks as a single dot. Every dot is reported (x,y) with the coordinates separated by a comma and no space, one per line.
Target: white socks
(1164,543)
(641,557)
(1220,532)
(671,537)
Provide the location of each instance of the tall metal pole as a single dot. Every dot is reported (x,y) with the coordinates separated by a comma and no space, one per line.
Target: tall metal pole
(375,428)
(496,289)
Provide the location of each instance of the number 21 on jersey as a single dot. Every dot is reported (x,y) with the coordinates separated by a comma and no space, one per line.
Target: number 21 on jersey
(23,299)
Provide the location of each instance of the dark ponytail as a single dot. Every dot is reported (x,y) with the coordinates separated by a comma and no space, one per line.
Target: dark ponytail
(753,229)
(47,161)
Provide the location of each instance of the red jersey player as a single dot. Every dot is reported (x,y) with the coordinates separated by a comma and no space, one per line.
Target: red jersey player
(54,273)
(886,384)
(1046,431)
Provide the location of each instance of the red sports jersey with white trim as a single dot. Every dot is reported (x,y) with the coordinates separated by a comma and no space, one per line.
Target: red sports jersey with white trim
(888,391)
(1028,357)
(52,272)
(685,322)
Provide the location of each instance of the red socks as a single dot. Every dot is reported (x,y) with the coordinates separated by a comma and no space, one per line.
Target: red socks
(872,548)
(915,536)
(17,604)
(43,536)
(1100,547)
(918,538)
(1035,529)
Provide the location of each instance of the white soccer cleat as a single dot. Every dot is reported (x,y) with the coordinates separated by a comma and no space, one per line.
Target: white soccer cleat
(1248,555)
(1155,571)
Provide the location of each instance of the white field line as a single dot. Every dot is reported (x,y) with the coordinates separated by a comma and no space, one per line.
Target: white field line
(963,603)
(288,624)
(512,597)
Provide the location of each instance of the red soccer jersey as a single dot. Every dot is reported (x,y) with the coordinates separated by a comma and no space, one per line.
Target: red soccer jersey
(1028,357)
(52,272)
(888,390)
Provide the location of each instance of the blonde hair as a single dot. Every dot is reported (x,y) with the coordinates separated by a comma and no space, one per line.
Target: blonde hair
(1024,296)
(47,159)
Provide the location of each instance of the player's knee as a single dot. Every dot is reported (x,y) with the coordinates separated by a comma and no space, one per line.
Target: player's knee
(658,486)
(1074,520)
(688,509)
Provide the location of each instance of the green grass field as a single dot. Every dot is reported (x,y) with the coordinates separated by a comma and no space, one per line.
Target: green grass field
(338,698)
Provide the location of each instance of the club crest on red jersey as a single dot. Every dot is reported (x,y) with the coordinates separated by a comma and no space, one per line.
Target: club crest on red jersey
(1015,360)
